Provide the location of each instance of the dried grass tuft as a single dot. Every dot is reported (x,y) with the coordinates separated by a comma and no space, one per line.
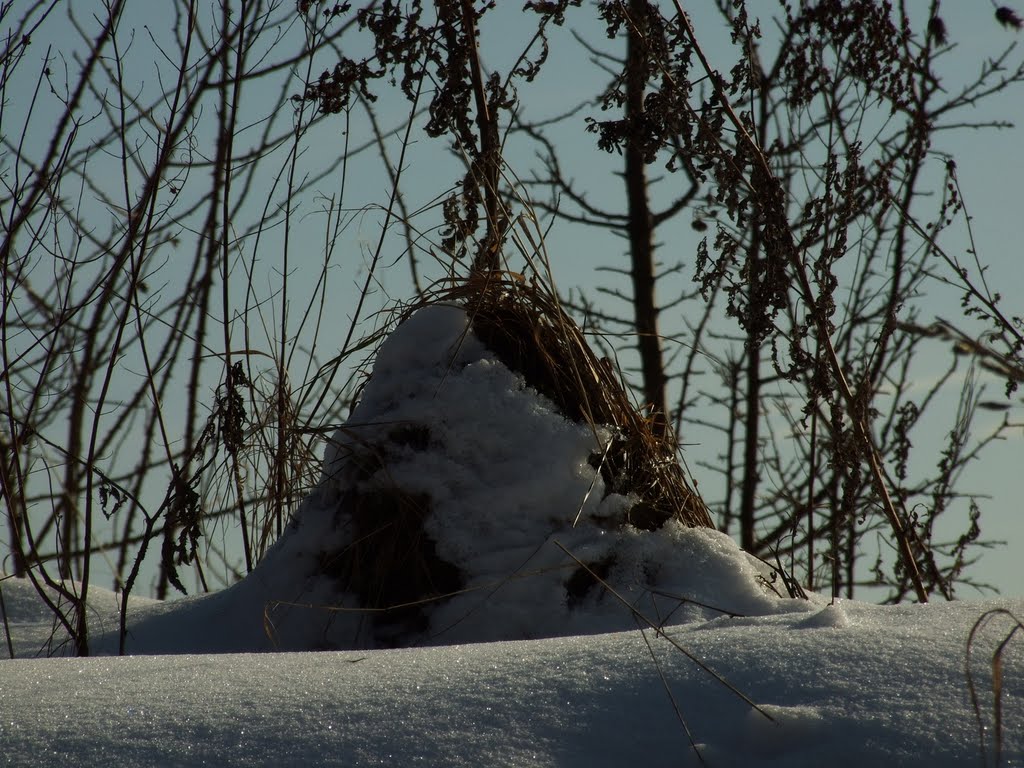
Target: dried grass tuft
(523,323)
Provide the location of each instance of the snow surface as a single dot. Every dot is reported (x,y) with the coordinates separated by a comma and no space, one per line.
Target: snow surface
(846,685)
(528,664)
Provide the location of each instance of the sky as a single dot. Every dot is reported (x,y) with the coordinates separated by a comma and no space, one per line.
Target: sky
(988,167)
(696,660)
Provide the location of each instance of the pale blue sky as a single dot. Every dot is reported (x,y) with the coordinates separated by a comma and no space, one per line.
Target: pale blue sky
(989,169)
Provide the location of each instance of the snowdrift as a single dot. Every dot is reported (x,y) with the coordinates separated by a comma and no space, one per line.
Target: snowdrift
(840,685)
(458,504)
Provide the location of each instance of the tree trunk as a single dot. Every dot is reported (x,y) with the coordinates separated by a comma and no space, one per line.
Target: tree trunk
(641,226)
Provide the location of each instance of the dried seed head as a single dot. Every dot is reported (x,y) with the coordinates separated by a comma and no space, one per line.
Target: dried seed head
(937,30)
(1009,18)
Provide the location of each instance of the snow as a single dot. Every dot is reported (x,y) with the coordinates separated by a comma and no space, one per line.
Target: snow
(531,662)
(850,684)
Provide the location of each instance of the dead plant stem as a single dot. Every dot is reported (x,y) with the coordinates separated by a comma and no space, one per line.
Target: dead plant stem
(858,417)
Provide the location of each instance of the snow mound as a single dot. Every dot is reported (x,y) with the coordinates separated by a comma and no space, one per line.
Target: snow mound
(458,505)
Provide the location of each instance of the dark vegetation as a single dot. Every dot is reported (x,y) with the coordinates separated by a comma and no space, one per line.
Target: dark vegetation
(188,192)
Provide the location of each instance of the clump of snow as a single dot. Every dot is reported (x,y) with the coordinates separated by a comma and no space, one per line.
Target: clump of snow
(833,616)
(512,500)
(460,492)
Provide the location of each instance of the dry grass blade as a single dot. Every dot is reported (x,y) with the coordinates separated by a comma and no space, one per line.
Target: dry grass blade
(7,626)
(997,666)
(671,696)
(639,616)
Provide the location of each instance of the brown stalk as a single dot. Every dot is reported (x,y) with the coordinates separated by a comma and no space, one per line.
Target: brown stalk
(791,255)
(488,160)
(996,663)
(640,227)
